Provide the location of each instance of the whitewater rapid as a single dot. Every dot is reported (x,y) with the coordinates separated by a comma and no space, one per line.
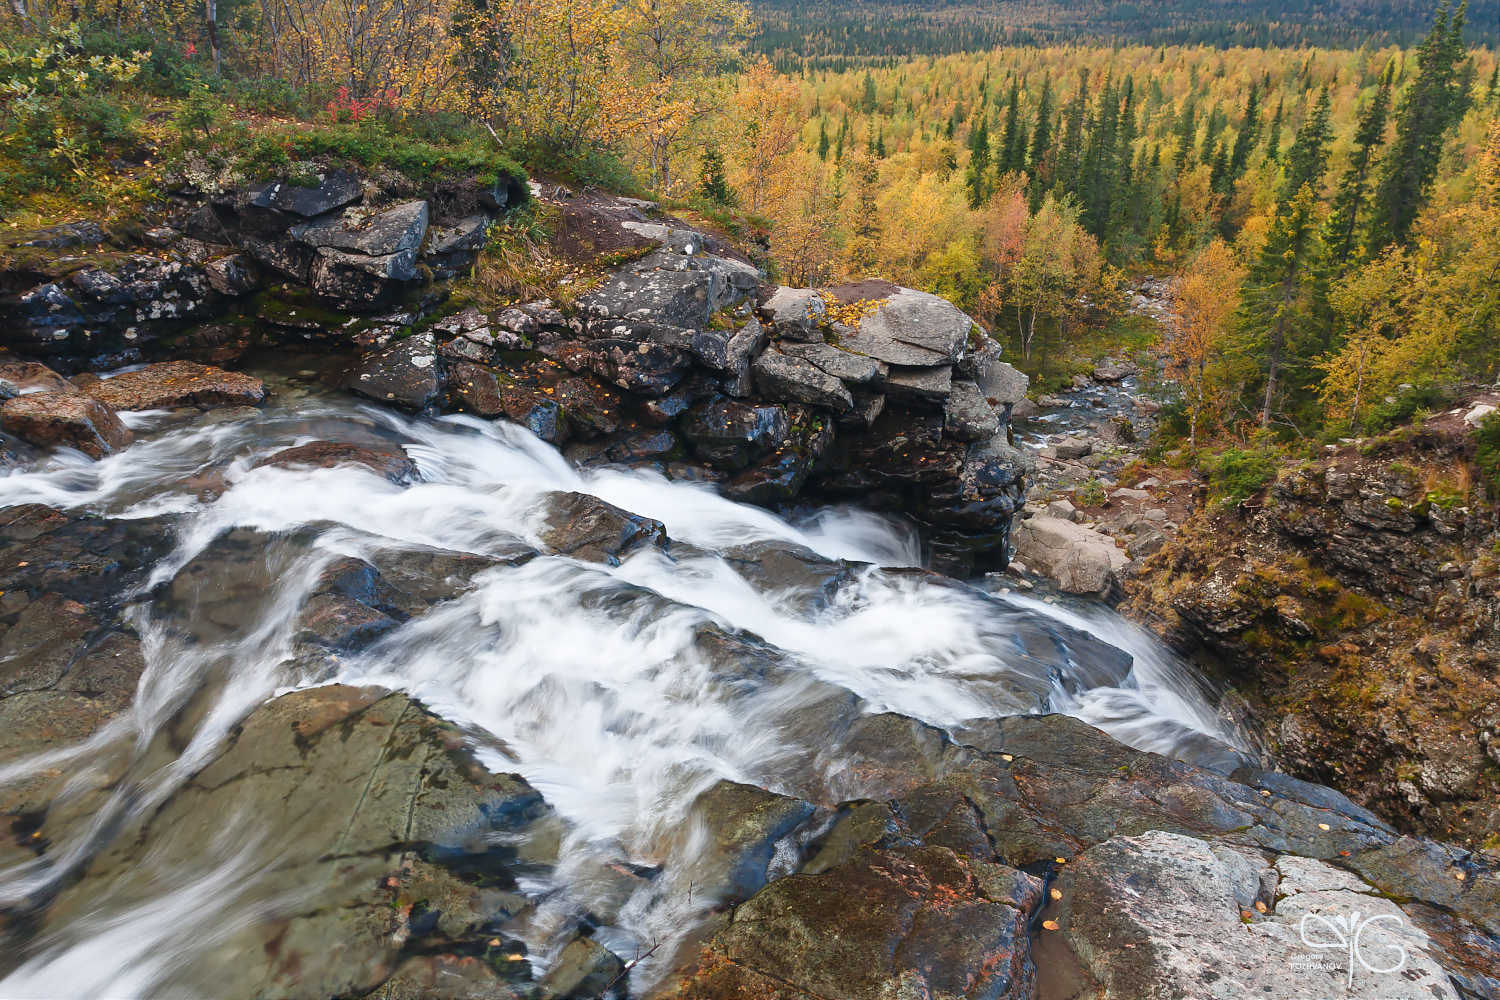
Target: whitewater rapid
(586,679)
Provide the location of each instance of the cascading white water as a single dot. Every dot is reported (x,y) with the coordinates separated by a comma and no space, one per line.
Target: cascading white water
(588,676)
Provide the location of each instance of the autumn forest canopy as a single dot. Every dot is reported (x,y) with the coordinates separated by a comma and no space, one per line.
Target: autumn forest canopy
(1322,182)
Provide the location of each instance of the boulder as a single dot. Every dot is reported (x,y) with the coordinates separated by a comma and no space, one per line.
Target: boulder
(405,375)
(671,288)
(1082,561)
(1071,448)
(332,191)
(745,823)
(841,364)
(475,389)
(534,410)
(39,320)
(585,527)
(649,369)
(911,328)
(99,285)
(66,419)
(383,234)
(977,362)
(743,348)
(393,466)
(1003,384)
(928,385)
(1116,431)
(795,313)
(356,282)
(1025,409)
(1114,371)
(730,435)
(591,407)
(29,376)
(282,254)
(866,408)
(233,276)
(178,383)
(790,379)
(967,415)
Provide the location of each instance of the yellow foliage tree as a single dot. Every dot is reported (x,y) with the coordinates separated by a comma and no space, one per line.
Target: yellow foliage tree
(1207,296)
(766,108)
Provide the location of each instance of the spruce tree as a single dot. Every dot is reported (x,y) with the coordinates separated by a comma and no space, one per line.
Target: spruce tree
(976,178)
(1433,104)
(1308,156)
(870,98)
(1348,202)
(1244,140)
(1013,135)
(1274,304)
(1041,136)
(1187,135)
(823,142)
(1070,148)
(1273,138)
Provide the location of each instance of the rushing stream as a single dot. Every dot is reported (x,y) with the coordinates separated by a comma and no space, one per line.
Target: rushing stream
(584,678)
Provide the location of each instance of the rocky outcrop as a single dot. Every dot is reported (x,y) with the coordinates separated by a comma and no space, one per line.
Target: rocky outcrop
(966,841)
(1354,607)
(336,240)
(371,795)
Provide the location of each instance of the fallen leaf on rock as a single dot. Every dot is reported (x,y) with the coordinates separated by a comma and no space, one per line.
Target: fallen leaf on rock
(1051,925)
(1322,826)
(1057,894)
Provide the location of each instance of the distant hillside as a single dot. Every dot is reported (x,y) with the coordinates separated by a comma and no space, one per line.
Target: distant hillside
(792,30)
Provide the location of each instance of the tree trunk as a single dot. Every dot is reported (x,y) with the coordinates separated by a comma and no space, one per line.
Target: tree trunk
(1272,372)
(212,8)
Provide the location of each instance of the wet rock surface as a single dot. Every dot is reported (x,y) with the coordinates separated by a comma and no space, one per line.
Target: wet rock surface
(328,454)
(178,383)
(66,419)
(380,795)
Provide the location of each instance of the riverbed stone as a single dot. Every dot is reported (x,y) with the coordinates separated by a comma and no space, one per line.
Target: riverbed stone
(406,375)
(1082,561)
(585,527)
(178,383)
(914,922)
(394,466)
(66,419)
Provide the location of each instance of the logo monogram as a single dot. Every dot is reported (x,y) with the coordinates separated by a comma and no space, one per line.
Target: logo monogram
(1346,932)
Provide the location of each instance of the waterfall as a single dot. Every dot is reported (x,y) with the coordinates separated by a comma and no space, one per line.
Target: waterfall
(592,681)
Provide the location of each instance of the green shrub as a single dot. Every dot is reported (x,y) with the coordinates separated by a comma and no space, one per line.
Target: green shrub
(1090,493)
(1405,405)
(1236,475)
(1487,457)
